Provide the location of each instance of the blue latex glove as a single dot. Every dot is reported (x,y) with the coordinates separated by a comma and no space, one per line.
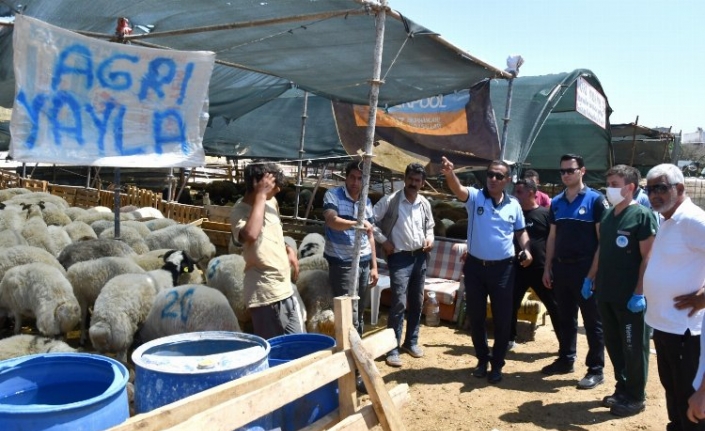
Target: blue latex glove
(586,291)
(637,303)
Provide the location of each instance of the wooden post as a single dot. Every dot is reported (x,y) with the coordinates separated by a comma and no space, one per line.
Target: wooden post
(636,123)
(347,391)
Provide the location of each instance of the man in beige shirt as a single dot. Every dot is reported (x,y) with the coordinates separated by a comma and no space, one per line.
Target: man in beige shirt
(268,261)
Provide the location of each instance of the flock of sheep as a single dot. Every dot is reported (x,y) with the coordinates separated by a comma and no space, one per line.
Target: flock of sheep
(63,267)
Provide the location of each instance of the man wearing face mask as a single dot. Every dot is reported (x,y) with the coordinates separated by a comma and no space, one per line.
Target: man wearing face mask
(626,234)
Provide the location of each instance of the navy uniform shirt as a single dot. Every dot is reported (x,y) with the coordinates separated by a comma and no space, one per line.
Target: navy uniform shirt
(491,227)
(576,235)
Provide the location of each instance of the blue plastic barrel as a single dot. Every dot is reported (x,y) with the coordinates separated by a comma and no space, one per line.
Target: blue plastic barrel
(62,392)
(171,368)
(313,406)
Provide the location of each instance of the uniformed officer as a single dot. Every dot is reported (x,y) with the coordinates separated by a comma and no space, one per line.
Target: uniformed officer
(571,264)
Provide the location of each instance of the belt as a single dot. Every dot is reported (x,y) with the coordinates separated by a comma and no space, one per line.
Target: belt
(490,262)
(410,253)
(572,261)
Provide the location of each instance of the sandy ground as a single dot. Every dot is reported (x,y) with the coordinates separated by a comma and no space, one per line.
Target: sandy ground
(445,396)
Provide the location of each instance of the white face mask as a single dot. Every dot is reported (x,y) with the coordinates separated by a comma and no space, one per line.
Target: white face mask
(614,195)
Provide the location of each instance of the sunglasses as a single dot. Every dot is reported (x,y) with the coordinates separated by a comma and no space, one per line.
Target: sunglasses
(497,175)
(659,189)
(569,171)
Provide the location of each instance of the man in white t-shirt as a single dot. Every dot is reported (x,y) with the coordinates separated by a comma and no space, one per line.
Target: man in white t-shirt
(673,287)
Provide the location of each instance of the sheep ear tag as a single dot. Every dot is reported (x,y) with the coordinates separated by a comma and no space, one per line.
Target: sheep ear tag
(185,269)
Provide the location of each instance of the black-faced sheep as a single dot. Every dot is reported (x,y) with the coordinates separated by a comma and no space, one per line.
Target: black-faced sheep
(312,244)
(188,308)
(43,292)
(125,301)
(189,238)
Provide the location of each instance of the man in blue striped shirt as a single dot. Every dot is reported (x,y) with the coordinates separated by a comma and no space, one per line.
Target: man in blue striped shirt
(340,207)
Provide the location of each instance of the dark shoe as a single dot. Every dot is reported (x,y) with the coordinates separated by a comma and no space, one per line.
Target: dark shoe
(627,407)
(393,360)
(480,371)
(415,351)
(360,385)
(611,400)
(590,381)
(558,366)
(495,376)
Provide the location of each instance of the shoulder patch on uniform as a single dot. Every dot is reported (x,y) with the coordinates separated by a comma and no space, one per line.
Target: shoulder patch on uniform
(606,204)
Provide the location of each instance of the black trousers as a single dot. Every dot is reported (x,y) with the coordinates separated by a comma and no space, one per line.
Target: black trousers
(677,356)
(497,282)
(567,283)
(532,277)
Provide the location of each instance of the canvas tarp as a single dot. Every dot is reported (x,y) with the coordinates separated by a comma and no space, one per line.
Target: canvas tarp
(640,146)
(545,125)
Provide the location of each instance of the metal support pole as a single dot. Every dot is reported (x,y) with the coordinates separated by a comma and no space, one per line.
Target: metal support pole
(117,203)
(170,188)
(88,178)
(375,83)
(299,175)
(636,123)
(507,115)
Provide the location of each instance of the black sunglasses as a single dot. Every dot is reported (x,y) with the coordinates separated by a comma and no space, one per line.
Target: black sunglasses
(659,189)
(492,174)
(569,171)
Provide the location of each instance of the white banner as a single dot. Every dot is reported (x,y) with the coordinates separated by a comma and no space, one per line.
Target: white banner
(590,103)
(84,101)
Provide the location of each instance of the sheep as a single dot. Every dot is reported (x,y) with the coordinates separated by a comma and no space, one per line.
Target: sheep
(78,230)
(317,295)
(159,223)
(316,261)
(75,212)
(11,238)
(291,242)
(188,308)
(24,344)
(312,244)
(189,238)
(129,236)
(99,226)
(91,215)
(37,197)
(92,249)
(41,291)
(147,212)
(53,214)
(155,259)
(22,254)
(125,301)
(12,216)
(226,273)
(59,239)
(36,231)
(12,192)
(89,277)
(139,226)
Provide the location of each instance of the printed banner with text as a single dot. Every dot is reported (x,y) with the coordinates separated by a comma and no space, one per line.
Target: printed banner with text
(84,101)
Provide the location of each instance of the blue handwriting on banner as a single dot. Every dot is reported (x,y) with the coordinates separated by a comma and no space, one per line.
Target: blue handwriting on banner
(68,108)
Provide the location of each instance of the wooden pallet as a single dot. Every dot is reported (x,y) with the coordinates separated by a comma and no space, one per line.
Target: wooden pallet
(239,402)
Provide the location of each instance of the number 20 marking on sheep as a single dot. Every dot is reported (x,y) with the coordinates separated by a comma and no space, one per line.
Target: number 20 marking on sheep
(184,305)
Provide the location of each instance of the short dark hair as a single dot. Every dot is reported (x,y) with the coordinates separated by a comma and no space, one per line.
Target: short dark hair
(577,158)
(415,168)
(529,184)
(630,174)
(530,173)
(500,163)
(256,170)
(351,166)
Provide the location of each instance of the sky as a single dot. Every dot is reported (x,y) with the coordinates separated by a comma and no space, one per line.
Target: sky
(649,55)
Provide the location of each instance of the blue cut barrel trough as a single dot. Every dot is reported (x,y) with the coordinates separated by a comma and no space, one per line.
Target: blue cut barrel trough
(62,392)
(313,406)
(171,368)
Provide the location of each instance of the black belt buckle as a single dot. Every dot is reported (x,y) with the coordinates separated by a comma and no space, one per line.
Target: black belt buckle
(412,252)
(490,262)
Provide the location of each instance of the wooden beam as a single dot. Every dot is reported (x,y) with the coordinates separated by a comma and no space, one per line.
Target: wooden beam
(387,413)
(364,420)
(347,390)
(180,411)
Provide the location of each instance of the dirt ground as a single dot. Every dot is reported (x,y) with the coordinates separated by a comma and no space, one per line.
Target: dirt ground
(445,396)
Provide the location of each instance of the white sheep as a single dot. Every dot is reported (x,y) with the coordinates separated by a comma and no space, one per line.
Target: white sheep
(147,213)
(189,238)
(92,215)
(159,223)
(89,277)
(188,308)
(24,344)
(75,212)
(139,226)
(125,301)
(36,231)
(226,273)
(99,226)
(129,236)
(317,295)
(312,244)
(79,230)
(317,261)
(53,214)
(12,216)
(37,197)
(43,292)
(12,192)
(11,238)
(22,254)
(59,239)
(92,249)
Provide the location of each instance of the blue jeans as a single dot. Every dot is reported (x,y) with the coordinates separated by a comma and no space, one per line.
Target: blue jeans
(497,282)
(407,276)
(339,275)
